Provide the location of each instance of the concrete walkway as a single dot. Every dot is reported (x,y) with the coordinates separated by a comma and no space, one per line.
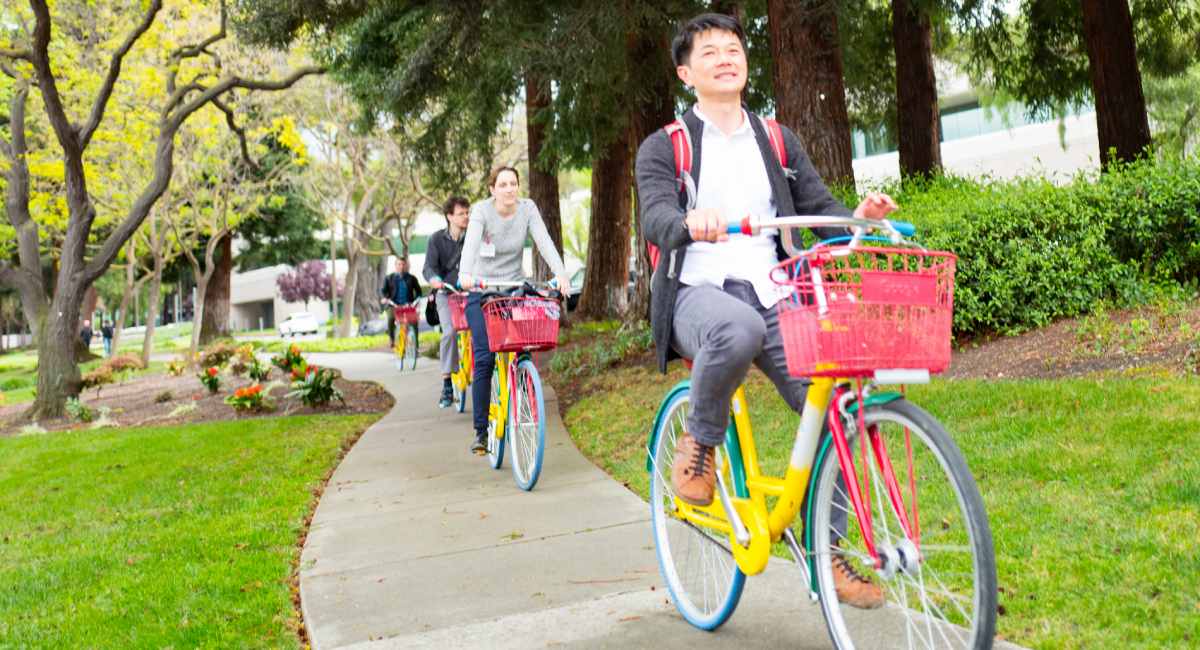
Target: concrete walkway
(417,543)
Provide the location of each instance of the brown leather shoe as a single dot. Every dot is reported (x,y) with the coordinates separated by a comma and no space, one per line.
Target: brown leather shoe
(693,473)
(854,589)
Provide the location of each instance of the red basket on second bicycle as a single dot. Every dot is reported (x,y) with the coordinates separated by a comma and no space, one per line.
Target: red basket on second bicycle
(406,315)
(521,324)
(458,311)
(853,311)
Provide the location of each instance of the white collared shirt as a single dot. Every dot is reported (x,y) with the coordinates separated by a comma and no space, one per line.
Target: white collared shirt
(733,180)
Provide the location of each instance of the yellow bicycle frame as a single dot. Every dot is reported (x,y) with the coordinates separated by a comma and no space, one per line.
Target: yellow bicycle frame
(498,413)
(462,377)
(765,526)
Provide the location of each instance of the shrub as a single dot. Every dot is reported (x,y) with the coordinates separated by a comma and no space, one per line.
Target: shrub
(218,353)
(211,378)
(97,377)
(79,411)
(290,359)
(248,398)
(1030,252)
(176,368)
(123,362)
(163,397)
(259,371)
(316,387)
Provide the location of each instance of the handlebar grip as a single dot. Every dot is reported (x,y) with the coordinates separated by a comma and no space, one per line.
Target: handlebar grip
(905,228)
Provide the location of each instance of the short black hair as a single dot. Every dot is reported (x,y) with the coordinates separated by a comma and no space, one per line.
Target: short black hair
(681,47)
(454,202)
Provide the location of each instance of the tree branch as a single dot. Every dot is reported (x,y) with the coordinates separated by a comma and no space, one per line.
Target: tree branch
(237,130)
(229,83)
(23,55)
(67,136)
(114,71)
(192,51)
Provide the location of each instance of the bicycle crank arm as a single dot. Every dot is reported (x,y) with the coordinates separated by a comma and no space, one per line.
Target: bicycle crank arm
(740,532)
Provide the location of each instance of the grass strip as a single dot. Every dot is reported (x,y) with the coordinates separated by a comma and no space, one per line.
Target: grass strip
(160,537)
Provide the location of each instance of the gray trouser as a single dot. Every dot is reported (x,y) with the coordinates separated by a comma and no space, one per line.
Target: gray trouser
(448,346)
(723,331)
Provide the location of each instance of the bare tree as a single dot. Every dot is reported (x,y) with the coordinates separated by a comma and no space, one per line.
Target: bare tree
(57,312)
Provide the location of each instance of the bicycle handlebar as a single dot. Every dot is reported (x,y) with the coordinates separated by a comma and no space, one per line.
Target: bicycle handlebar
(551,284)
(753,225)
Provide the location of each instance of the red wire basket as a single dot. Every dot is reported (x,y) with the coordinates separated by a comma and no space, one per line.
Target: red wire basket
(855,311)
(406,315)
(521,324)
(458,311)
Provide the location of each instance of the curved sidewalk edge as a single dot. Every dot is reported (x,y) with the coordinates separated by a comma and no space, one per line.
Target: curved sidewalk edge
(417,543)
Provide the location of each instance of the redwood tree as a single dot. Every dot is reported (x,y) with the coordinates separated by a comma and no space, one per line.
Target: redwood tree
(543,167)
(810,90)
(1116,82)
(916,90)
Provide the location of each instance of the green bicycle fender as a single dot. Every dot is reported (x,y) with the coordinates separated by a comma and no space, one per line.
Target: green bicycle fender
(662,406)
(826,444)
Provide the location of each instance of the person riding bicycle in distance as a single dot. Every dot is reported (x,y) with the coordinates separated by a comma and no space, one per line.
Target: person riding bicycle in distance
(400,289)
(712,298)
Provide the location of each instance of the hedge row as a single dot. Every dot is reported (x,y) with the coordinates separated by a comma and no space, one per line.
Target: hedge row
(1030,251)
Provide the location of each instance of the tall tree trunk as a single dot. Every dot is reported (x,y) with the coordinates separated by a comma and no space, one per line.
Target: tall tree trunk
(215,324)
(1116,81)
(346,327)
(153,302)
(58,371)
(916,90)
(543,171)
(654,108)
(366,290)
(333,292)
(810,86)
(604,286)
(198,309)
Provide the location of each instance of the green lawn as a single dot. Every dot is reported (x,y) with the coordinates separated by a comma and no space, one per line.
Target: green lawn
(159,537)
(1092,488)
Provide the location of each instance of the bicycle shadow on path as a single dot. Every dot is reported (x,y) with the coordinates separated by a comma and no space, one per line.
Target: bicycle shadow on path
(417,543)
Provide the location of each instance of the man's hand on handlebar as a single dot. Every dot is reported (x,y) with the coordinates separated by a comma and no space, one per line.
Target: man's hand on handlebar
(706,225)
(876,205)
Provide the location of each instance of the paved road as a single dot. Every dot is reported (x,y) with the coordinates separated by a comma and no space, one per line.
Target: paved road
(419,544)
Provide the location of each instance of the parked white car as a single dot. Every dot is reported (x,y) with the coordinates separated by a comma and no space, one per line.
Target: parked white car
(300,322)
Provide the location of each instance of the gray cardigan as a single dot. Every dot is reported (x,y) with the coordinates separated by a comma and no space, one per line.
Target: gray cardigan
(798,190)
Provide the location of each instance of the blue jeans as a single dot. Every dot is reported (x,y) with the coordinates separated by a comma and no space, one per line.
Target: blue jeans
(108,347)
(485,363)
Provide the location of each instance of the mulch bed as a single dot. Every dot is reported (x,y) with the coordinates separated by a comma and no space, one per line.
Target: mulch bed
(137,402)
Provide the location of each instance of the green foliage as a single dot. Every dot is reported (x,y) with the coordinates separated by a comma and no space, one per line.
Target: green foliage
(259,371)
(1030,251)
(210,377)
(316,387)
(16,383)
(601,345)
(290,359)
(79,411)
(349,344)
(249,398)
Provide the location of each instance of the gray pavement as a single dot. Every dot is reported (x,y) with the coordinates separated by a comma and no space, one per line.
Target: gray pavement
(417,543)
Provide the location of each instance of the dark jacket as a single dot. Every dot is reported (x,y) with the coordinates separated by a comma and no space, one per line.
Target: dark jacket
(389,286)
(106,331)
(797,191)
(442,255)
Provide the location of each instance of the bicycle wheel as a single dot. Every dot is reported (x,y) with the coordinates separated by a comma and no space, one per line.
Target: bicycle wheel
(462,379)
(696,563)
(528,430)
(495,445)
(399,348)
(939,588)
(412,349)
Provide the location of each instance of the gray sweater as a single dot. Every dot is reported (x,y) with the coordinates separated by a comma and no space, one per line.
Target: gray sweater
(507,235)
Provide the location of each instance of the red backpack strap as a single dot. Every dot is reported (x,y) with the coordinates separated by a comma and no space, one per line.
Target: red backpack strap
(681,146)
(775,135)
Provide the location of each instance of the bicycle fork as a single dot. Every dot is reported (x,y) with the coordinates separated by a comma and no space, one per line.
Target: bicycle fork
(860,496)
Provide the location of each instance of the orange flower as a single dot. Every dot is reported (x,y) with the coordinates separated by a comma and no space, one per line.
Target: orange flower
(212,372)
(254,390)
(294,349)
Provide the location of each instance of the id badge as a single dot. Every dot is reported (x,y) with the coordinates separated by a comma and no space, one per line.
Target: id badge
(487,249)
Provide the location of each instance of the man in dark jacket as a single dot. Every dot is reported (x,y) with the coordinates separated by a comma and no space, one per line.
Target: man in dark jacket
(400,288)
(106,331)
(712,298)
(441,270)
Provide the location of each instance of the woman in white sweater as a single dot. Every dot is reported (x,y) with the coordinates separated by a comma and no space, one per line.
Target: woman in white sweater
(493,252)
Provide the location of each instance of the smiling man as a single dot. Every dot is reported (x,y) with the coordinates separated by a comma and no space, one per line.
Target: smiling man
(713,300)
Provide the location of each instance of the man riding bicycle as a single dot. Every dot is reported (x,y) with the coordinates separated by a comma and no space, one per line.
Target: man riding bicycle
(400,289)
(712,297)
(441,270)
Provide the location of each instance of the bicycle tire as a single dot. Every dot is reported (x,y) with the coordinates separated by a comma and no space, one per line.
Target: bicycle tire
(495,445)
(952,535)
(527,432)
(702,577)
(412,351)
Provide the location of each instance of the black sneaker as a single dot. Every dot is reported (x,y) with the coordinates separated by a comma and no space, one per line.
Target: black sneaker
(447,398)
(480,444)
